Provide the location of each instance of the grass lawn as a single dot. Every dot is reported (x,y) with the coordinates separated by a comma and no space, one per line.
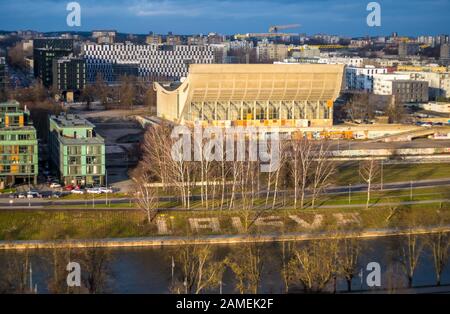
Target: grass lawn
(348,173)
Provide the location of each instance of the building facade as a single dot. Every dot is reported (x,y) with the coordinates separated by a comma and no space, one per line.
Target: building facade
(18,146)
(169,62)
(69,74)
(362,78)
(270,52)
(45,51)
(76,151)
(284,95)
(438,83)
(3,75)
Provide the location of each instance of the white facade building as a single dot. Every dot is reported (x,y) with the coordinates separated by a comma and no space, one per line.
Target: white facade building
(362,78)
(154,61)
(382,83)
(352,62)
(439,83)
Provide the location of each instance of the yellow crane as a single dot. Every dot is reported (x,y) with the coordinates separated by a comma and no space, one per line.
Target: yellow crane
(276,28)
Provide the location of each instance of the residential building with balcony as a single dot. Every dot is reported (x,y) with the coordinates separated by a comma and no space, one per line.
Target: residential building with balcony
(76,151)
(18,146)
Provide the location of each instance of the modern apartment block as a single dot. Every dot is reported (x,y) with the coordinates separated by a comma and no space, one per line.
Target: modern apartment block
(169,62)
(438,83)
(18,146)
(270,52)
(76,151)
(69,75)
(362,78)
(45,51)
(401,87)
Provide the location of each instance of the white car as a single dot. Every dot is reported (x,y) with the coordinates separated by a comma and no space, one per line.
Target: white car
(106,190)
(77,191)
(55,185)
(94,191)
(33,195)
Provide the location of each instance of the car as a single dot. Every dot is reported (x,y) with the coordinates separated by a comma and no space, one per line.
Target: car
(56,195)
(77,191)
(55,185)
(106,190)
(32,194)
(21,195)
(69,188)
(93,191)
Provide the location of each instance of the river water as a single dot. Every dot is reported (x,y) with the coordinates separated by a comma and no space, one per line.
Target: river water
(149,270)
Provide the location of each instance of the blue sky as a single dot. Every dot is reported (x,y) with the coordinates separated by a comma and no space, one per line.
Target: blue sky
(341,17)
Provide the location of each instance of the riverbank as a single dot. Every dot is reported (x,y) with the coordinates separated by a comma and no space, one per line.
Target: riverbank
(215,239)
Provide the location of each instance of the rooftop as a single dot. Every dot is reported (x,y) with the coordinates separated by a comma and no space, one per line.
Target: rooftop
(71,121)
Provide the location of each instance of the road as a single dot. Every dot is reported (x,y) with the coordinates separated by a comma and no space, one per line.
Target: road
(41,204)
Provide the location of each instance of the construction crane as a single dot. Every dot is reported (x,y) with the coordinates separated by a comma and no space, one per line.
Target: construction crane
(276,28)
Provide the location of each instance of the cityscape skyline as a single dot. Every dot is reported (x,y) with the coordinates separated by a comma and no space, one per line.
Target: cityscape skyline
(343,17)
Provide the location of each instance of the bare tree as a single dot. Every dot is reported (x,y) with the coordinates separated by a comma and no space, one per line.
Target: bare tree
(323,170)
(368,170)
(147,197)
(246,264)
(314,266)
(439,244)
(95,262)
(348,256)
(127,91)
(197,269)
(410,251)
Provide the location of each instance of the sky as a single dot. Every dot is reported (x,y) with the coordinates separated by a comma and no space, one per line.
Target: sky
(339,17)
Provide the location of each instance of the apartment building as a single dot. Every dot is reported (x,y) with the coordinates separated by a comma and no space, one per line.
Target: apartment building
(361,78)
(401,87)
(69,75)
(270,52)
(438,83)
(76,151)
(18,146)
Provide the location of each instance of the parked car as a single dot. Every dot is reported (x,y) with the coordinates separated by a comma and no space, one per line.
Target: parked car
(69,188)
(106,190)
(21,195)
(32,194)
(55,185)
(93,191)
(77,191)
(56,195)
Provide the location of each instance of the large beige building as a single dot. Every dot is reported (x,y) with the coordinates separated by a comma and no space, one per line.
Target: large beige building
(291,95)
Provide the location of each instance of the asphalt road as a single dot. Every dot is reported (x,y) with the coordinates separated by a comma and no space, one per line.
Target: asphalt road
(7,203)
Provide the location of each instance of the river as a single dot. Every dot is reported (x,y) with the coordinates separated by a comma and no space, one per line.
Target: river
(149,270)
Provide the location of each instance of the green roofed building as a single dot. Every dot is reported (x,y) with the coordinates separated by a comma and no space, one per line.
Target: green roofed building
(18,146)
(76,151)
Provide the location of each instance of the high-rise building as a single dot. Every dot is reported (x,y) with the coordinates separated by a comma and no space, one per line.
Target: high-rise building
(76,151)
(169,62)
(45,51)
(270,52)
(3,75)
(407,49)
(18,146)
(69,74)
(445,52)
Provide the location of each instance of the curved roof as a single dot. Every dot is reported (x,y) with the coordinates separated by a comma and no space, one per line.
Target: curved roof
(260,82)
